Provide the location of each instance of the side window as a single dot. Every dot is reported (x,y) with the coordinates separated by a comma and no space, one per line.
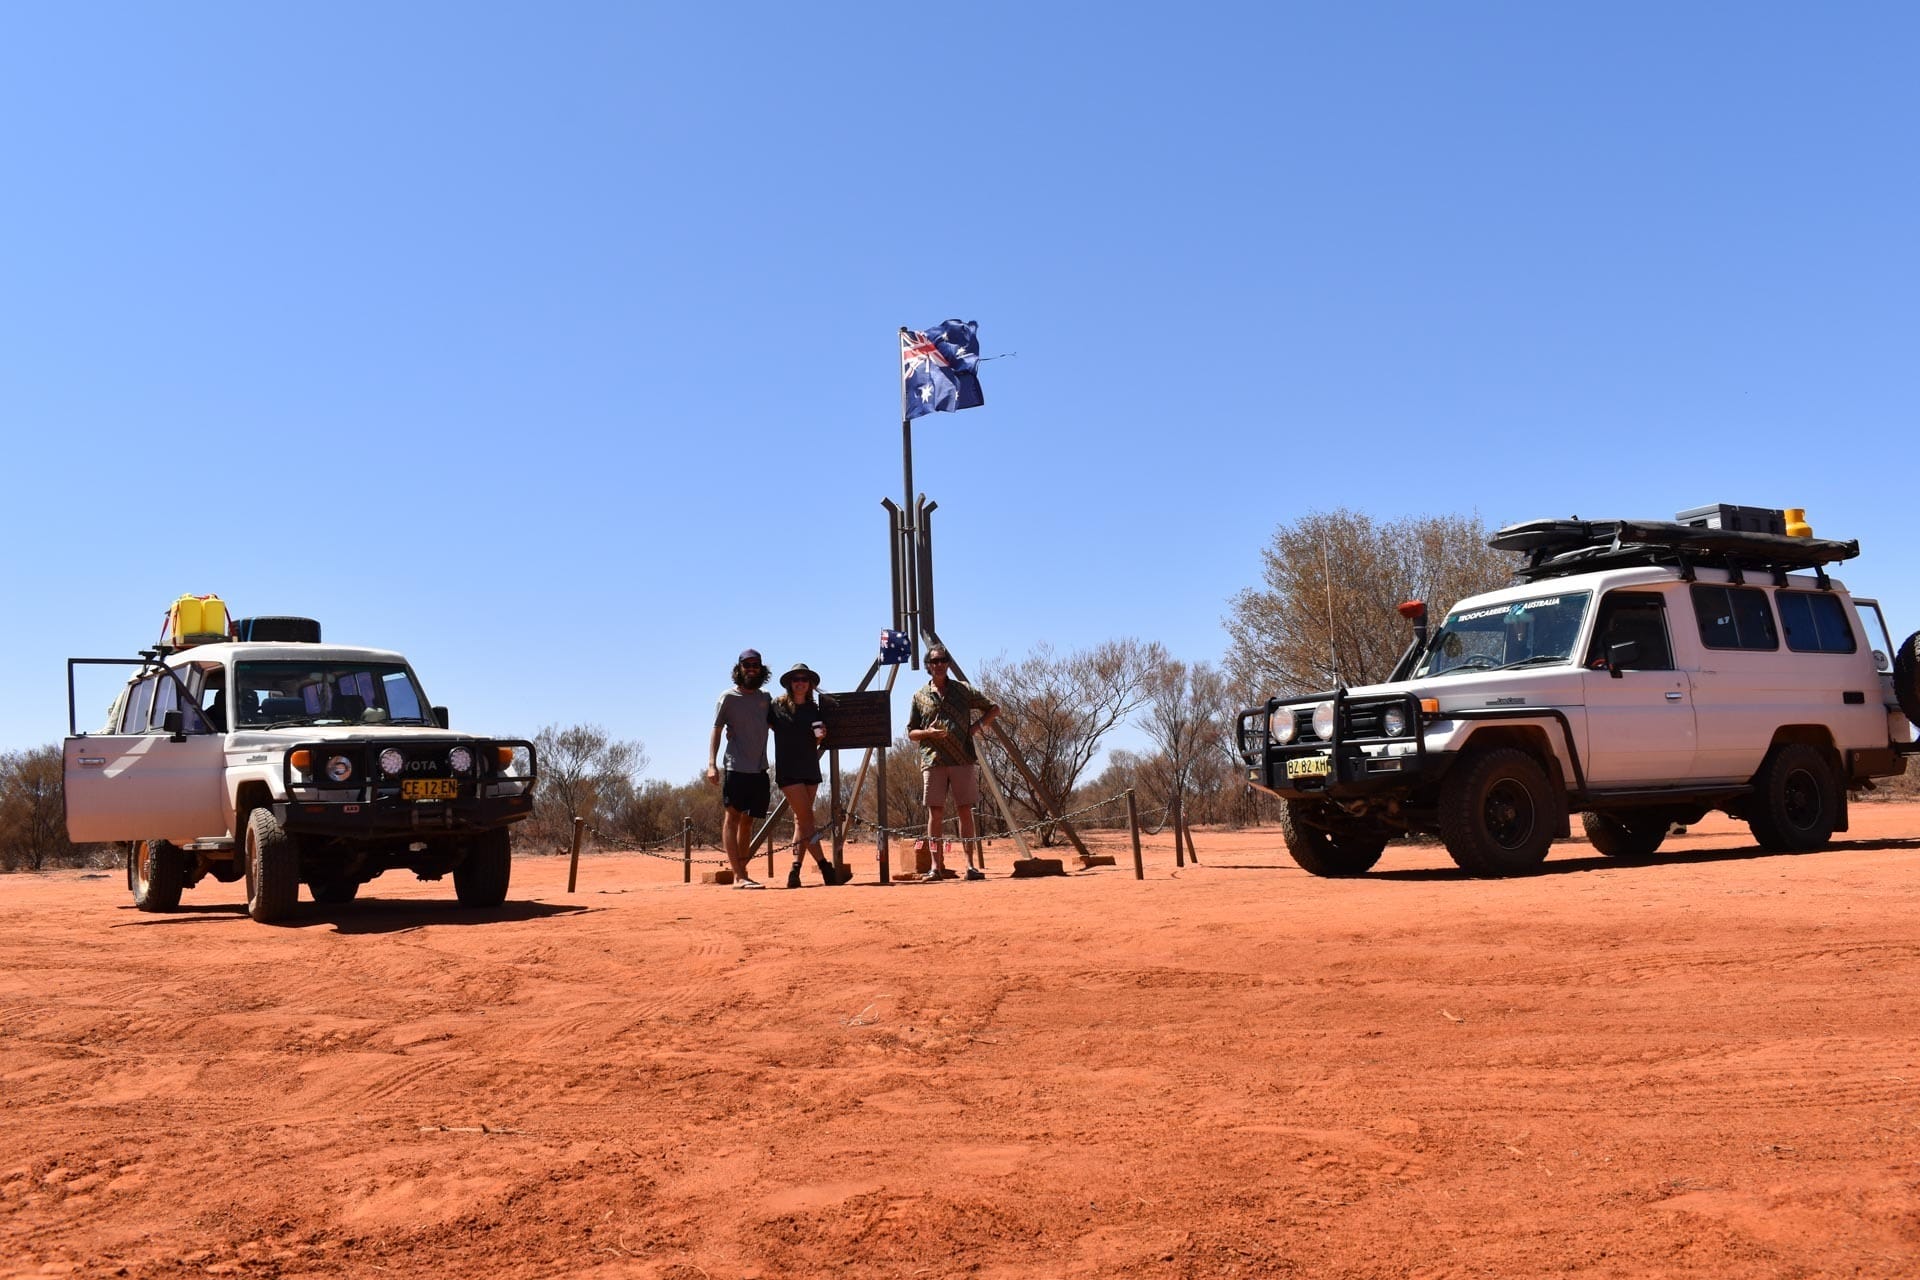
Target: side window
(1815,622)
(401,703)
(139,708)
(1734,617)
(1638,617)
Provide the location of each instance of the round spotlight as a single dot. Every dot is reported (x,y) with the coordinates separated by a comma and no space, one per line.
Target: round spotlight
(339,768)
(1323,721)
(460,760)
(392,762)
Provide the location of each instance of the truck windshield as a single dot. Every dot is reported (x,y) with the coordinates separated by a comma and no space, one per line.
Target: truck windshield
(273,694)
(1526,633)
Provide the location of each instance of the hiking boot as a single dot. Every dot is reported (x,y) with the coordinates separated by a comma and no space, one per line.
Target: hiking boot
(975,873)
(793,877)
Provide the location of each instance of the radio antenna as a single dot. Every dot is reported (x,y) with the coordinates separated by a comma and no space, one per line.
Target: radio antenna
(1326,570)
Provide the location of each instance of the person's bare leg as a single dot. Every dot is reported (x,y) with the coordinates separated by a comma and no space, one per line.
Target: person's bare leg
(966,841)
(736,829)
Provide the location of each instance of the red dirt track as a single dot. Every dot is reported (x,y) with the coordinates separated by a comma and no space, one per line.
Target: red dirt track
(1708,1066)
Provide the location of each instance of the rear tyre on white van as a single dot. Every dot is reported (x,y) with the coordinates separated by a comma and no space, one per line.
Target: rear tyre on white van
(156,872)
(1629,836)
(1796,800)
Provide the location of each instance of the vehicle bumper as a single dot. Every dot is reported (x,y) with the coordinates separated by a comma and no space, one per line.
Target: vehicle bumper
(402,817)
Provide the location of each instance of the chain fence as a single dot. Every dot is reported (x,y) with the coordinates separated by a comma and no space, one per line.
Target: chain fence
(609,843)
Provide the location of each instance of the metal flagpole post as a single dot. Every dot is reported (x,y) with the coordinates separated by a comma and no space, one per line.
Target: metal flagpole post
(908,538)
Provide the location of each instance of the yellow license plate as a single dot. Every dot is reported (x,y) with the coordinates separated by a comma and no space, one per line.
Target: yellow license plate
(1309,767)
(429,789)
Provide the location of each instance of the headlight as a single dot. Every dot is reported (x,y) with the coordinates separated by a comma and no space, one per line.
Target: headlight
(1280,726)
(392,762)
(460,760)
(1323,721)
(1394,721)
(339,768)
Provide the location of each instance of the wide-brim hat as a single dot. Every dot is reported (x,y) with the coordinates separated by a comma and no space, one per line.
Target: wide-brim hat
(799,671)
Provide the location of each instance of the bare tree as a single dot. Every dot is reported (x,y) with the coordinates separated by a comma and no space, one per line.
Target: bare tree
(584,773)
(1332,580)
(33,828)
(1057,709)
(1188,718)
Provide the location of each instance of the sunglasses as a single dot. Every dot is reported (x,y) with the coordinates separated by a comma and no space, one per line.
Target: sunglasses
(937,662)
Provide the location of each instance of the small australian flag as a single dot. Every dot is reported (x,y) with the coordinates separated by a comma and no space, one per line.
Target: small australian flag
(895,648)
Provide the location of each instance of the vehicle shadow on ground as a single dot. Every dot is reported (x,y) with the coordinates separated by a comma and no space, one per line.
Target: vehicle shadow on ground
(368,915)
(1673,858)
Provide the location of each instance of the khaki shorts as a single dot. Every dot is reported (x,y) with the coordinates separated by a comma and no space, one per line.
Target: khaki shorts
(961,780)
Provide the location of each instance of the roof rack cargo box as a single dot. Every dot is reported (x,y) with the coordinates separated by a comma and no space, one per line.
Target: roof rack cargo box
(1723,515)
(1556,548)
(278,629)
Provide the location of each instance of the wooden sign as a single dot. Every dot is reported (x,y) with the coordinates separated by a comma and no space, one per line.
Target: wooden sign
(856,720)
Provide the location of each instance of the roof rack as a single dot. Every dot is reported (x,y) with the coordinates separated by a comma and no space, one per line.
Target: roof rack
(1556,548)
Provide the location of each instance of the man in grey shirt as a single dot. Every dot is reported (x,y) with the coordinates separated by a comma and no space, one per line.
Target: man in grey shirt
(743,711)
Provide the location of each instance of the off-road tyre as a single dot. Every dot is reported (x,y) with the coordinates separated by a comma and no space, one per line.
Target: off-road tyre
(1628,835)
(334,892)
(1906,677)
(156,873)
(481,878)
(1498,812)
(1796,800)
(1335,853)
(273,869)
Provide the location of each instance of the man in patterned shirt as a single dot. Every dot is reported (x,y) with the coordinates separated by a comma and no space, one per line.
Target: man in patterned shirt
(942,724)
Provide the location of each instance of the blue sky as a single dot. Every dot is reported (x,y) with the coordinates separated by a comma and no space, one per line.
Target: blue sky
(554,344)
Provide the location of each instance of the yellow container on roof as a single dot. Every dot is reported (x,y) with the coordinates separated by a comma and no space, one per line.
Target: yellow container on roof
(195,620)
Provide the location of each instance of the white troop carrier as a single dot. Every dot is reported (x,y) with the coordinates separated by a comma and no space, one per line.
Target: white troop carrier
(255,752)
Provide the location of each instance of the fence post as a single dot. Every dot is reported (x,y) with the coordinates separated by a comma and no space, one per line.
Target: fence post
(686,849)
(573,862)
(1193,854)
(1133,825)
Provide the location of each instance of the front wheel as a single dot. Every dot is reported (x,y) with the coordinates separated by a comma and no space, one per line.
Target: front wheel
(1499,812)
(156,872)
(1325,850)
(273,868)
(1796,800)
(481,878)
(1630,836)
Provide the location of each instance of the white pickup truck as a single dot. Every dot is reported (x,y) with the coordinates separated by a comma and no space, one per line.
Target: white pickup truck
(284,763)
(1638,673)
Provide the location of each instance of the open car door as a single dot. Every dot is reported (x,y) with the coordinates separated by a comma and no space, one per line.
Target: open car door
(144,782)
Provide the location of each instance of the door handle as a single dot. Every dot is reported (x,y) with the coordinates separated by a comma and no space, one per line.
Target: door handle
(1674,695)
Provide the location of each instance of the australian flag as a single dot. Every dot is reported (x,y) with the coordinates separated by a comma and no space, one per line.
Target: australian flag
(937,366)
(895,648)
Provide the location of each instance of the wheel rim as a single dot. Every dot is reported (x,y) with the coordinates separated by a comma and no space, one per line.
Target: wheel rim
(250,876)
(143,864)
(1800,800)
(1508,814)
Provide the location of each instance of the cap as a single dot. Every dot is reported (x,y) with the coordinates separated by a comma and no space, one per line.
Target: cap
(749,655)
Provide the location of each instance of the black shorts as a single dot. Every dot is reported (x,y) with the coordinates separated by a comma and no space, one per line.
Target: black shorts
(787,780)
(746,792)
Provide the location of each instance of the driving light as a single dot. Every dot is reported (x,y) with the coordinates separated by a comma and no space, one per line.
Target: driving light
(339,768)
(1323,721)
(301,760)
(1394,721)
(460,760)
(504,757)
(1280,726)
(392,762)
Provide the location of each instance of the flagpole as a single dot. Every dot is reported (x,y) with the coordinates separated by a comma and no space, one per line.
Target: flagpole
(906,511)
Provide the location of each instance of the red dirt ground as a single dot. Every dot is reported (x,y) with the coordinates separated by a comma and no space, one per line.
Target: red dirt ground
(1709,1066)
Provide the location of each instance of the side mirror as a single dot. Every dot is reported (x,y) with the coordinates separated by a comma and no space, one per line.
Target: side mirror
(174,724)
(1621,655)
(440,717)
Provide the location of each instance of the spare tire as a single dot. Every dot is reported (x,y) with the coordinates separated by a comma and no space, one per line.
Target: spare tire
(1906,676)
